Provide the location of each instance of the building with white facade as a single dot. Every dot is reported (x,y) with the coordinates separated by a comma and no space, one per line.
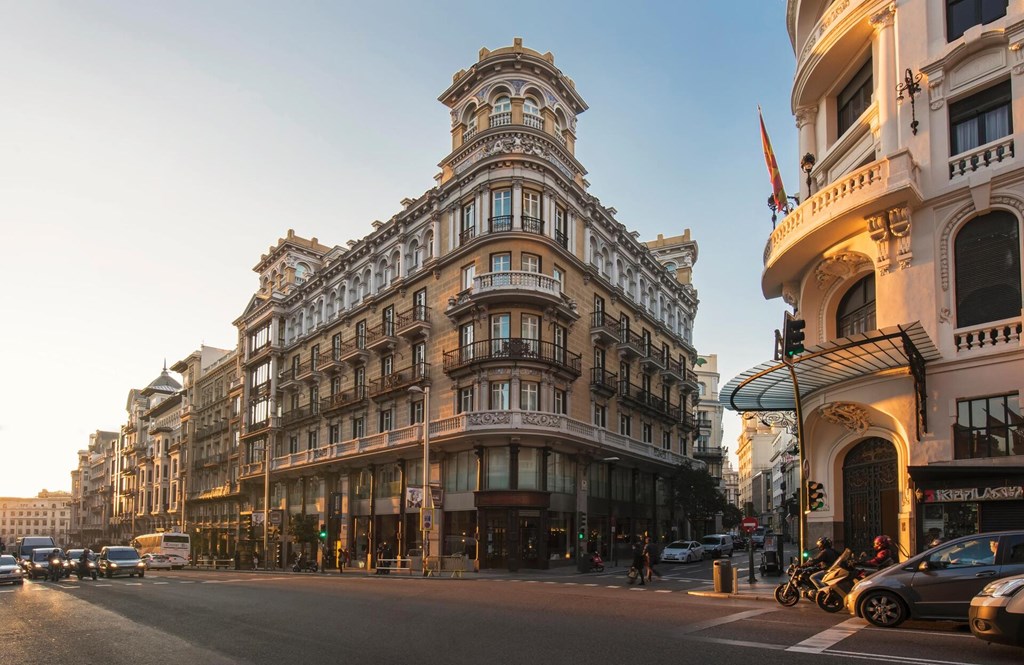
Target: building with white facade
(46,514)
(903,259)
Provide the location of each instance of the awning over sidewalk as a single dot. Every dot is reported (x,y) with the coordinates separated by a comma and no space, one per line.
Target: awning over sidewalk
(769,386)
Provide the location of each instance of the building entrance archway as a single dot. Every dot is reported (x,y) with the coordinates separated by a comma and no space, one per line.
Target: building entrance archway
(870,493)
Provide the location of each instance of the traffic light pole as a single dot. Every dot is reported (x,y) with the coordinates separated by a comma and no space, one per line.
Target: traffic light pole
(804,505)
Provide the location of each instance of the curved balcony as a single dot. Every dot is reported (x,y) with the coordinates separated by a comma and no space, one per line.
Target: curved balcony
(834,213)
(510,286)
(514,350)
(828,47)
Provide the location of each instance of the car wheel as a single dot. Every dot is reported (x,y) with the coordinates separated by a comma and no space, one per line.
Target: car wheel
(884,609)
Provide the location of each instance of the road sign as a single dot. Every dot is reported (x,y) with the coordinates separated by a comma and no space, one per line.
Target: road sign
(749,523)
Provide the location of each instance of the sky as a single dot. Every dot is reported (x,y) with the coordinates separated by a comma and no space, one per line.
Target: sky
(151,152)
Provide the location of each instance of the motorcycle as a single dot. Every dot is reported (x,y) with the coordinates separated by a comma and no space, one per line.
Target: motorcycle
(302,564)
(596,563)
(798,585)
(86,568)
(839,580)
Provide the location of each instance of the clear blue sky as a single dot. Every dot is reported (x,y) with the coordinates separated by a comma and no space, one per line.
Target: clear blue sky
(150,152)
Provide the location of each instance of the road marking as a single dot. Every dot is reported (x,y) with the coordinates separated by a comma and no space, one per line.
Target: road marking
(103,585)
(662,591)
(738,643)
(133,583)
(894,659)
(828,637)
(186,582)
(637,589)
(730,618)
(592,584)
(161,583)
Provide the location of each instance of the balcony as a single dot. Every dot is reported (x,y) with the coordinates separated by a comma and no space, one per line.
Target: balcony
(674,371)
(561,238)
(834,213)
(654,360)
(515,350)
(288,378)
(535,121)
(533,225)
(348,399)
(309,371)
(984,156)
(466,234)
(257,355)
(511,286)
(703,425)
(381,337)
(330,361)
(631,345)
(604,329)
(354,351)
(637,397)
(382,441)
(413,323)
(211,429)
(500,224)
(400,380)
(708,452)
(300,415)
(500,119)
(603,382)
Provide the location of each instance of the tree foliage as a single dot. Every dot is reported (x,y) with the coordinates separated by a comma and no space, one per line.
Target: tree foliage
(304,528)
(731,516)
(697,495)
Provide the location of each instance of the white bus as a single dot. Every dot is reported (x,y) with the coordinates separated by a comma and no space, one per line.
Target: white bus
(174,545)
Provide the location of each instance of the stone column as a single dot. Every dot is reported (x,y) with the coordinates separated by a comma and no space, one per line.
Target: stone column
(885,80)
(806,117)
(517,204)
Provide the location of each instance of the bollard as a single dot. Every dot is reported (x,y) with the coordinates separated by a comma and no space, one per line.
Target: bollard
(723,576)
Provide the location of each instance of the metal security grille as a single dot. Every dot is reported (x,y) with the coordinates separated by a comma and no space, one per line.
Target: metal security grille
(870,494)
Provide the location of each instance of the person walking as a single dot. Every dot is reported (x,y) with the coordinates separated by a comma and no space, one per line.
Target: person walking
(650,554)
(255,560)
(637,569)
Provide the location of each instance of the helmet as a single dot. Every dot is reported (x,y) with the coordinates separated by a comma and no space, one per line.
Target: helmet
(882,543)
(824,543)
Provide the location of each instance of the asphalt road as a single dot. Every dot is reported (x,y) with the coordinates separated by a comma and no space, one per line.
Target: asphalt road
(202,617)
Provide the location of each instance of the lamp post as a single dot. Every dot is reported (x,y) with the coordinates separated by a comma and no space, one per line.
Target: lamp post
(912,86)
(806,164)
(427,498)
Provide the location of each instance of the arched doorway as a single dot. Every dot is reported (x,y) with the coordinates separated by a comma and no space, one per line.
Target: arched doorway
(870,493)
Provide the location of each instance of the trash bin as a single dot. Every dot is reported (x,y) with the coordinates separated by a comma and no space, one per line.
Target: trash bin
(723,576)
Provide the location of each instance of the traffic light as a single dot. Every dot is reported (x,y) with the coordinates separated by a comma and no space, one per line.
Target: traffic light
(792,336)
(815,495)
(250,530)
(323,531)
(583,527)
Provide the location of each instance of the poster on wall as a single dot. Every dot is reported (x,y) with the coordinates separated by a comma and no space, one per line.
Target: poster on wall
(414,497)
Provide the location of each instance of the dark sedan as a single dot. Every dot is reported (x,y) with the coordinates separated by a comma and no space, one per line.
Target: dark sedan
(997,613)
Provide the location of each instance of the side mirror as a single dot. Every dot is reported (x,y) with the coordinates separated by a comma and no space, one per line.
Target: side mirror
(926,565)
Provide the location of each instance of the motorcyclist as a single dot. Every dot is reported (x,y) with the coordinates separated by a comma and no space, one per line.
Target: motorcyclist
(56,566)
(83,564)
(885,553)
(822,559)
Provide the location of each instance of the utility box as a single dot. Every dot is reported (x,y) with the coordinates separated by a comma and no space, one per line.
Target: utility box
(723,576)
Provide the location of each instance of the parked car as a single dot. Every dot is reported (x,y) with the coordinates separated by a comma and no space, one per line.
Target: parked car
(10,571)
(717,545)
(177,561)
(38,563)
(938,584)
(997,612)
(121,560)
(683,550)
(157,561)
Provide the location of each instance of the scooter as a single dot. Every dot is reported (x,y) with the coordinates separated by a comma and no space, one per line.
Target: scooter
(798,585)
(301,564)
(596,563)
(839,580)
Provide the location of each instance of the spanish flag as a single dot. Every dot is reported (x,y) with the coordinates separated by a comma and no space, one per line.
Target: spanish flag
(778,192)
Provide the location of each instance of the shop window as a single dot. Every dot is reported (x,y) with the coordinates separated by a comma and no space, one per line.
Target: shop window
(963,14)
(856,312)
(529,468)
(980,119)
(855,98)
(988,427)
(496,468)
(987,264)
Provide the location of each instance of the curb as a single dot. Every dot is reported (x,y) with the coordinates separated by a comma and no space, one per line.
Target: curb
(733,596)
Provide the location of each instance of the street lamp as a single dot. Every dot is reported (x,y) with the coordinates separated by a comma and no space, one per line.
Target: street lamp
(806,164)
(427,503)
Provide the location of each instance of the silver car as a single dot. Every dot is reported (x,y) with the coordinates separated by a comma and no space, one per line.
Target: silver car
(120,560)
(940,583)
(10,571)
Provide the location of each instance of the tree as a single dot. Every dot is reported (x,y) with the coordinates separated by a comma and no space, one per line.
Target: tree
(304,528)
(731,516)
(697,495)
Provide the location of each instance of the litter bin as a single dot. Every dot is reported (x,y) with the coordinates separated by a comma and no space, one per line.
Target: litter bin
(723,576)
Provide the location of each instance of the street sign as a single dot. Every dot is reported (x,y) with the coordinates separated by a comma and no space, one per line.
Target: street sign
(276,517)
(749,523)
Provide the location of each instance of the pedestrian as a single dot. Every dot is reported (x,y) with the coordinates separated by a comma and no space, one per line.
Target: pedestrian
(636,571)
(650,558)
(388,555)
(380,556)
(255,560)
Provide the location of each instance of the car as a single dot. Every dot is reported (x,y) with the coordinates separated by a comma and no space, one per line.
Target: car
(683,550)
(121,560)
(717,545)
(997,612)
(157,561)
(38,563)
(10,571)
(938,584)
(177,561)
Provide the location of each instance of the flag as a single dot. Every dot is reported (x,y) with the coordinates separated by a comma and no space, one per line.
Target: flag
(778,192)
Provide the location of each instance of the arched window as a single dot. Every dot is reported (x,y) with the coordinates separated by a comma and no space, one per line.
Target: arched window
(987,256)
(469,118)
(501,112)
(531,114)
(857,308)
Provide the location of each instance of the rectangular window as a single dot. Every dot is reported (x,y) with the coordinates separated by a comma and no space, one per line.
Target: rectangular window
(358,427)
(561,228)
(466,342)
(501,262)
(529,396)
(855,98)
(293,444)
(465,404)
(385,420)
(468,228)
(625,425)
(558,336)
(335,433)
(529,468)
(387,365)
(963,14)
(500,326)
(360,380)
(468,273)
(666,440)
(558,403)
(361,334)
(648,433)
(499,396)
(416,412)
(529,330)
(530,262)
(335,346)
(531,204)
(312,439)
(496,468)
(335,385)
(988,427)
(601,415)
(501,211)
(980,119)
(559,276)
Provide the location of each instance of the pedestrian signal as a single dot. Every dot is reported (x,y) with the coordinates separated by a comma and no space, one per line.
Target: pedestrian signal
(815,495)
(323,531)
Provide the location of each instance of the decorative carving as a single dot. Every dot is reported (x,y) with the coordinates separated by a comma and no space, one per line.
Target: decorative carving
(542,420)
(878,229)
(954,223)
(489,418)
(517,84)
(806,115)
(936,92)
(945,315)
(838,266)
(791,295)
(899,227)
(884,18)
(845,414)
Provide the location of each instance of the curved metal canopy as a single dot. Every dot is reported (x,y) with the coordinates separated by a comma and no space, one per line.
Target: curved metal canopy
(769,386)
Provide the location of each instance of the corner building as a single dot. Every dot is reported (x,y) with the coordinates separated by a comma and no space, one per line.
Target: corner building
(505,313)
(904,260)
